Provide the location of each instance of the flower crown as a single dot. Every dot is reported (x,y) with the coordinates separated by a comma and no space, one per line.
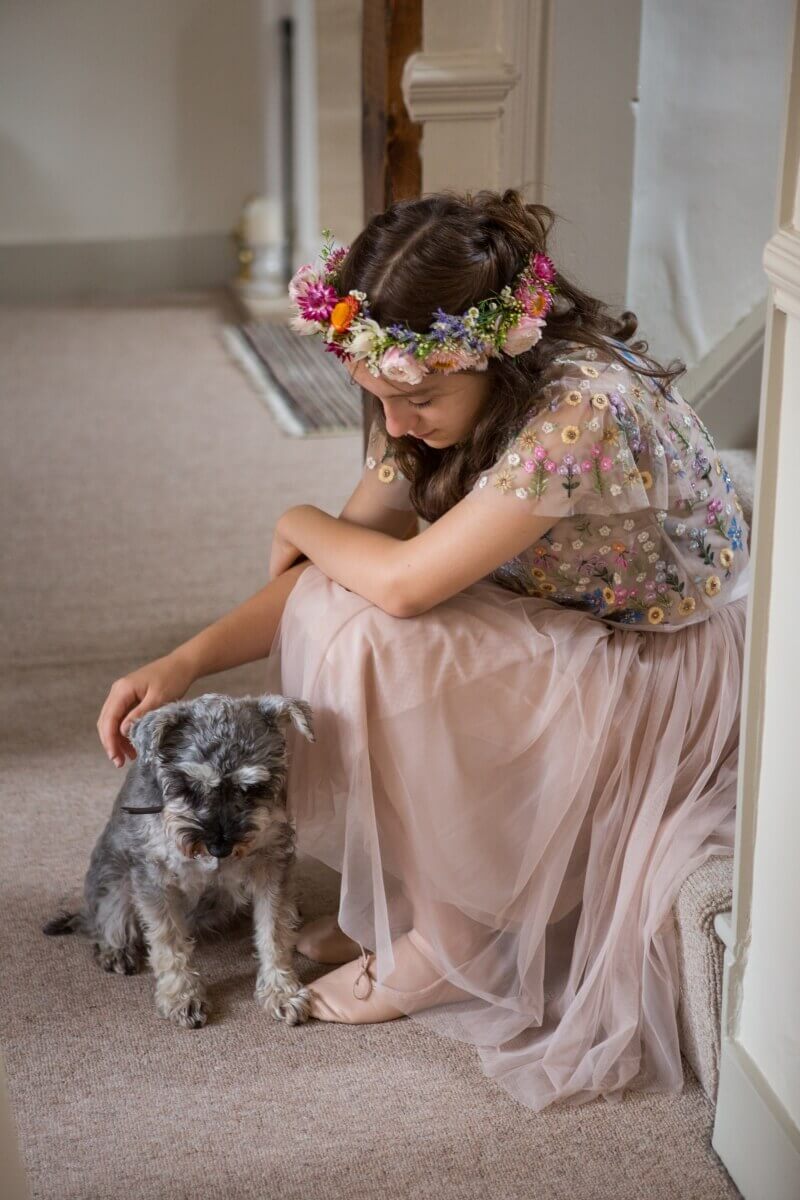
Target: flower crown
(509,323)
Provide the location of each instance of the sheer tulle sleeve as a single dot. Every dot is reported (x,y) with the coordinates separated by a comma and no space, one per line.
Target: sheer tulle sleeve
(573,454)
(382,475)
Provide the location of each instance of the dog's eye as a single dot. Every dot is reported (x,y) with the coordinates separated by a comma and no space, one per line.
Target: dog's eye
(252,789)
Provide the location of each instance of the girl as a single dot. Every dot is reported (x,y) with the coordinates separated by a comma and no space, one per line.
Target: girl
(527,713)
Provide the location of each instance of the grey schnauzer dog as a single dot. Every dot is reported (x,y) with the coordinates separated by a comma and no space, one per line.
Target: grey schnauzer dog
(198,831)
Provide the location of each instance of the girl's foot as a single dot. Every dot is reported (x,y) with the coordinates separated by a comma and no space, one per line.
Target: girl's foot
(352,995)
(323,941)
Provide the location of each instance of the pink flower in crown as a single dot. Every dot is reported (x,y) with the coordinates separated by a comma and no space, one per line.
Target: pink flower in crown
(535,301)
(445,362)
(523,335)
(302,278)
(401,367)
(543,268)
(316,301)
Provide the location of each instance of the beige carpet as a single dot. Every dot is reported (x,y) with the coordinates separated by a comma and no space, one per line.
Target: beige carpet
(140,484)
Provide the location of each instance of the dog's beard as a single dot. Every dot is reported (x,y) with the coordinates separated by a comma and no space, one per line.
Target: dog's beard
(184,833)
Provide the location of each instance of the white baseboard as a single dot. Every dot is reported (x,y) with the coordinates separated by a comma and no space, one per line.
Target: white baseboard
(56,271)
(753,1134)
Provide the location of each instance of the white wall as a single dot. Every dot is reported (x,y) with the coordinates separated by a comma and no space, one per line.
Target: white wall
(126,119)
(340,169)
(708,135)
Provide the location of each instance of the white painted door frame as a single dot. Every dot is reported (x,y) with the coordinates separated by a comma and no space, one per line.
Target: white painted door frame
(757,1124)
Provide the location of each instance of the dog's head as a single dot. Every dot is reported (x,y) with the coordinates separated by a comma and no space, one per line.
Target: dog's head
(220,766)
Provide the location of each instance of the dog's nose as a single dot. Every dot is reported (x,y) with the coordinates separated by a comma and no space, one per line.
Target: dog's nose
(220,849)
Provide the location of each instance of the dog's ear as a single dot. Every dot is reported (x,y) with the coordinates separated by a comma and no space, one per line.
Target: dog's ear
(284,709)
(148,732)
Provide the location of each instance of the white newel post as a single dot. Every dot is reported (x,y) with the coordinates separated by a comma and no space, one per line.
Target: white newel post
(757,1126)
(523,93)
(457,87)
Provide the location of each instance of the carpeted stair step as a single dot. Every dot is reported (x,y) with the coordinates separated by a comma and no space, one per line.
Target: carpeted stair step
(706,893)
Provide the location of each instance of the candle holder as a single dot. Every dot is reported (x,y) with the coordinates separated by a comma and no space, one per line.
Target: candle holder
(260,283)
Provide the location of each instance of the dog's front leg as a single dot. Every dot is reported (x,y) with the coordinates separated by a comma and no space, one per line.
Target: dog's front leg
(278,989)
(179,993)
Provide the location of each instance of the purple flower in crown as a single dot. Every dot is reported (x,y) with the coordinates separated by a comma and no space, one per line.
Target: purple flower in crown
(401,333)
(447,325)
(335,258)
(316,301)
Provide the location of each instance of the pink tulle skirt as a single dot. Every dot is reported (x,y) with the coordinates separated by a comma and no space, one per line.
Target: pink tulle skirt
(527,787)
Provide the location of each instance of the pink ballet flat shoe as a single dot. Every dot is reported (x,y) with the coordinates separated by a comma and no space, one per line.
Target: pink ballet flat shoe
(352,995)
(324,942)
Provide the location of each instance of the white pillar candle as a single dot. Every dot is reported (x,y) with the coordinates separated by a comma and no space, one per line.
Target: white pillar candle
(262,223)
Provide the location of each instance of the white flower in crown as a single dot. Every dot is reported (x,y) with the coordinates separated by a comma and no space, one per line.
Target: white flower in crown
(301,325)
(365,339)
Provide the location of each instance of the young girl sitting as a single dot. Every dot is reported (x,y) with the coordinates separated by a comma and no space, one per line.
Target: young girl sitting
(527,714)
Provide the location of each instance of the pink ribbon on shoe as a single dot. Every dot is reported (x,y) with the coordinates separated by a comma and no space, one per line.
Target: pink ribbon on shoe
(363,974)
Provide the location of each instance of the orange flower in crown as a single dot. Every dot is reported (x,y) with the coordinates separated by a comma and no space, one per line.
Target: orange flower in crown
(343,313)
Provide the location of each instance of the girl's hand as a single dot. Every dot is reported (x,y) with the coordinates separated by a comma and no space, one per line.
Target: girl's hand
(284,554)
(133,695)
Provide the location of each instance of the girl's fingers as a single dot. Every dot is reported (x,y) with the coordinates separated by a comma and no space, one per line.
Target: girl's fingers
(118,703)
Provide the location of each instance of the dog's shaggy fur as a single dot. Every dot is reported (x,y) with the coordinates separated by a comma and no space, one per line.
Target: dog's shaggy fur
(199,830)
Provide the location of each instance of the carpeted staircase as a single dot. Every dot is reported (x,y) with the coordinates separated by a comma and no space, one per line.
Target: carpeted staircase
(705,894)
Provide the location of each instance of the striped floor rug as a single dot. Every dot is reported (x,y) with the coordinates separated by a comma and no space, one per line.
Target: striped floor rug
(307,390)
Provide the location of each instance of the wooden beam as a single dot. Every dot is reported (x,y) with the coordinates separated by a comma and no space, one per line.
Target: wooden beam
(390,140)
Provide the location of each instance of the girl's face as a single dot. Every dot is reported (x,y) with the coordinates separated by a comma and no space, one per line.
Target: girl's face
(440,410)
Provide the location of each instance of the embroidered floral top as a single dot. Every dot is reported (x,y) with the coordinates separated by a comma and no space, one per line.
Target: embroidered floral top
(647,528)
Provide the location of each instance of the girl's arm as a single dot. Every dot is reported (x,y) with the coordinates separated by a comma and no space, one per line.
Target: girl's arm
(365,507)
(242,635)
(406,578)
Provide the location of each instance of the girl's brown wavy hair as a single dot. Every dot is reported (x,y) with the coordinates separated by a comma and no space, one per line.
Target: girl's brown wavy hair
(450,250)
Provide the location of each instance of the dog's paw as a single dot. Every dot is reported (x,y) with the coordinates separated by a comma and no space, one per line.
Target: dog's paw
(116,962)
(284,1000)
(188,1013)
